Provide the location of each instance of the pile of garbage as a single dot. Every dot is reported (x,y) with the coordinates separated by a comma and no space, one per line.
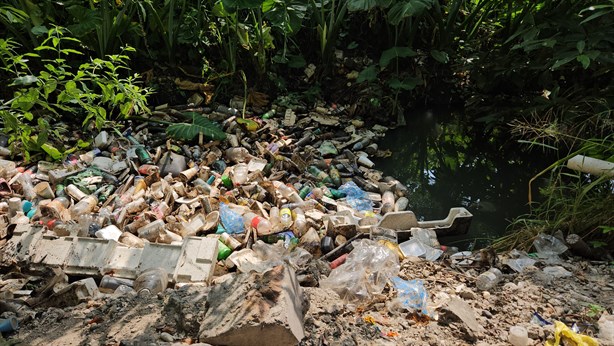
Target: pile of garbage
(279,202)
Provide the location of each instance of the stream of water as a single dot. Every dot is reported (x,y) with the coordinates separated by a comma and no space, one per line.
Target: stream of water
(447,161)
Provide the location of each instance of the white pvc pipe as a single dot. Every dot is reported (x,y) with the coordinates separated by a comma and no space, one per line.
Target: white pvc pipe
(590,165)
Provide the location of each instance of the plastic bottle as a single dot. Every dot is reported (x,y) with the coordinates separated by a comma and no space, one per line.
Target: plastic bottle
(232,221)
(387,202)
(489,279)
(327,245)
(361,144)
(275,220)
(109,282)
(289,193)
(285,216)
(335,175)
(518,336)
(305,205)
(320,175)
(230,241)
(152,230)
(238,154)
(25,181)
(239,174)
(262,225)
(300,222)
(84,206)
(14,206)
(152,281)
(304,191)
(223,251)
(58,227)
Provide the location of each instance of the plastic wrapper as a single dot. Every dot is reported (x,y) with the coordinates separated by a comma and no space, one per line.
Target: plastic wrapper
(264,256)
(232,221)
(411,294)
(355,197)
(548,246)
(563,335)
(365,272)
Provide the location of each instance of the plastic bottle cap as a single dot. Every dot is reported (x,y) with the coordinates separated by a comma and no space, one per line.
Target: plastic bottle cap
(255,221)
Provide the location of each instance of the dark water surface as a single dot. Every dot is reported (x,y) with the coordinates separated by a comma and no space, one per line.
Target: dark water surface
(447,161)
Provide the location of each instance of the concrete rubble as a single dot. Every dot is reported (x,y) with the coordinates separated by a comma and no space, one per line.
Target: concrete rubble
(226,242)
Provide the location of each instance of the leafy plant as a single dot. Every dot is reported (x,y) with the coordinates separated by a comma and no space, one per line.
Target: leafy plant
(198,125)
(93,92)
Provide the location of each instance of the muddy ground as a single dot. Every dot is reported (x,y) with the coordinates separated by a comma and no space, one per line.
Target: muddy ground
(173,317)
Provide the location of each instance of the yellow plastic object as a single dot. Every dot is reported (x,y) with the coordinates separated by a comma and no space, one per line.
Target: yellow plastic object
(392,246)
(562,332)
(249,124)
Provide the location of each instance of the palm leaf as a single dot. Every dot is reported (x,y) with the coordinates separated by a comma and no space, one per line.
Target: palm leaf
(198,125)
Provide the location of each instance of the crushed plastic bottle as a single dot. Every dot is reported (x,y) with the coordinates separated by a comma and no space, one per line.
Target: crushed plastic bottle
(285,216)
(489,279)
(548,246)
(262,225)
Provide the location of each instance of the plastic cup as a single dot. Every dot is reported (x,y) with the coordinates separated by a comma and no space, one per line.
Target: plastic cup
(9,324)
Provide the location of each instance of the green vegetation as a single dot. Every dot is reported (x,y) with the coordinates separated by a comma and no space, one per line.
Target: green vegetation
(539,70)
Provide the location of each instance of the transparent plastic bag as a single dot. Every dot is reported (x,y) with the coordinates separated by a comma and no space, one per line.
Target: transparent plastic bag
(355,197)
(548,246)
(232,221)
(411,294)
(365,272)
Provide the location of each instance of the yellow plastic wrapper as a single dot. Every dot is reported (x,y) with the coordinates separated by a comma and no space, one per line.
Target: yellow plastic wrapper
(392,246)
(562,332)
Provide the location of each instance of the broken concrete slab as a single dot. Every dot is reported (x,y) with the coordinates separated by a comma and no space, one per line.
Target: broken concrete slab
(255,309)
(191,261)
(465,313)
(73,294)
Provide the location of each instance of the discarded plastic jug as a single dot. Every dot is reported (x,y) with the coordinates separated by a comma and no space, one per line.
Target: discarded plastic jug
(489,279)
(232,221)
(151,231)
(152,281)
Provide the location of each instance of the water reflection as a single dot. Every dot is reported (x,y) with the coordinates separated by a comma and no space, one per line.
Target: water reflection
(448,162)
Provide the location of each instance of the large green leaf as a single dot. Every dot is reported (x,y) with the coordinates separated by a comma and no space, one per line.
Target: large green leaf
(361,5)
(200,124)
(369,74)
(234,5)
(407,8)
(395,52)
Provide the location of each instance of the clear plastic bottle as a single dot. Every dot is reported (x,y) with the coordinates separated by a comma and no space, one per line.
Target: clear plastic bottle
(305,205)
(285,217)
(275,220)
(300,222)
(387,202)
(25,180)
(84,206)
(489,279)
(239,174)
(238,154)
(262,225)
(289,193)
(58,227)
(230,241)
(152,281)
(152,230)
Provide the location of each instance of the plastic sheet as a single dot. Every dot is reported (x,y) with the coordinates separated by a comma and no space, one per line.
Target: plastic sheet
(365,272)
(355,197)
(548,246)
(564,335)
(411,294)
(232,221)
